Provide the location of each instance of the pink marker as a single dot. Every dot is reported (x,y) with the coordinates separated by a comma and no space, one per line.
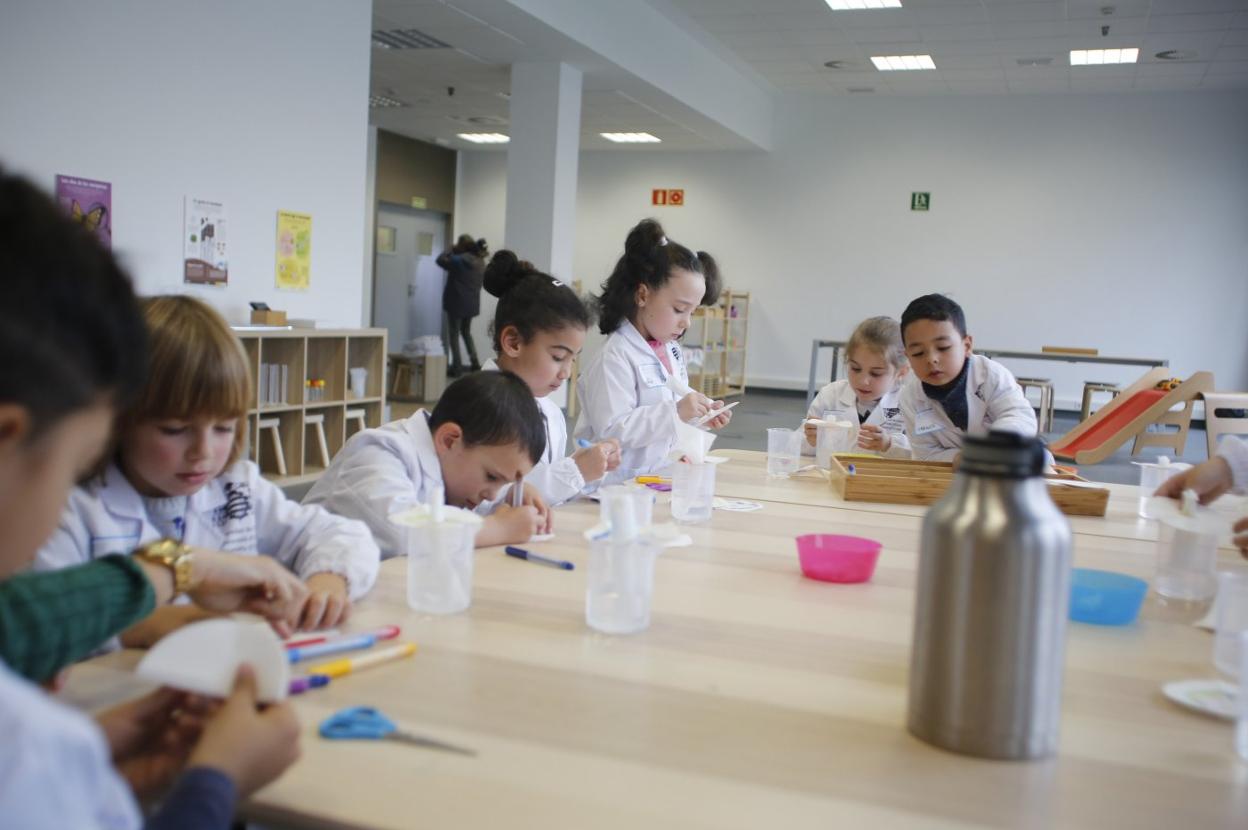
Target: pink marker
(386,632)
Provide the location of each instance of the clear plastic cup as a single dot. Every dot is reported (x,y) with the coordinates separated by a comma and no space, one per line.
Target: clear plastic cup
(693,491)
(1185,563)
(784,446)
(1241,720)
(439,558)
(831,438)
(620,585)
(1230,620)
(631,503)
(359,381)
(1152,476)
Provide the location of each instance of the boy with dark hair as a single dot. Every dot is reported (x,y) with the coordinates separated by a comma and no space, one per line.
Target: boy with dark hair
(951,391)
(485,433)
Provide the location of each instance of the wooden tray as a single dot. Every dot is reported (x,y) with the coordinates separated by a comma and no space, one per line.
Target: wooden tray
(901,481)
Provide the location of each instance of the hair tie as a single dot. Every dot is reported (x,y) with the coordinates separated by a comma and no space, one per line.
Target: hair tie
(662,241)
(555,282)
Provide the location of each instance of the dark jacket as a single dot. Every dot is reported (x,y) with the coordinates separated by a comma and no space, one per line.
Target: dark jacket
(462,295)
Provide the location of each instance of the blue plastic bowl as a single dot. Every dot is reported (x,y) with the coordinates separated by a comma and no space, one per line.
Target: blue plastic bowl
(1105,597)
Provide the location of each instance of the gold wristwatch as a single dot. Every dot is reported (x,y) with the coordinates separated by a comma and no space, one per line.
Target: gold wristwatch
(173,555)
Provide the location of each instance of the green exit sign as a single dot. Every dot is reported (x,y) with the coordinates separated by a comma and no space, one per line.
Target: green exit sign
(920,201)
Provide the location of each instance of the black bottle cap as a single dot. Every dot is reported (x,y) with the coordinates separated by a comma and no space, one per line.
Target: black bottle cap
(1003,455)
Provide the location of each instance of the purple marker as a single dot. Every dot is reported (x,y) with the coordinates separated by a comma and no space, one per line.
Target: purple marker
(313,681)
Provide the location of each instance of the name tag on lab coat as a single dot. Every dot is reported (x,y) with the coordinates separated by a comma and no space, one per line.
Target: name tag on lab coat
(925,422)
(651,375)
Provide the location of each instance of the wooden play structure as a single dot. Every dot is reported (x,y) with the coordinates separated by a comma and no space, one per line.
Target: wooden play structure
(1130,414)
(904,481)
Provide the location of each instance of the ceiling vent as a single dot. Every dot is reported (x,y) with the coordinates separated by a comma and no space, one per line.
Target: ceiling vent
(1175,55)
(860,89)
(378,102)
(838,64)
(406,39)
(1034,61)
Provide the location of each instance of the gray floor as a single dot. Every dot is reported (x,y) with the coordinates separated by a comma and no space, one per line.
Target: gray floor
(762,409)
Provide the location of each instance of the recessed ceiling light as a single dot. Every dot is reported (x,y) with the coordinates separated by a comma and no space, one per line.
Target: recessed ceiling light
(1099,57)
(902,63)
(383,101)
(630,138)
(853,5)
(485,138)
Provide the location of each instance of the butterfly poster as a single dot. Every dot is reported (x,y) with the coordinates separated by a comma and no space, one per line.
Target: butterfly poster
(294,250)
(204,258)
(89,202)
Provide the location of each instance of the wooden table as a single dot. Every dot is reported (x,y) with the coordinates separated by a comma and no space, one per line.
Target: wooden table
(756,699)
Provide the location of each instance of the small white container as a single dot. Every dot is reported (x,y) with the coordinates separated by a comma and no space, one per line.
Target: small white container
(440,552)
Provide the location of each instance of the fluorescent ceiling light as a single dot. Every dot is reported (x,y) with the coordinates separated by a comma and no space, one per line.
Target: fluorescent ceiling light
(851,5)
(902,63)
(1099,57)
(485,138)
(630,138)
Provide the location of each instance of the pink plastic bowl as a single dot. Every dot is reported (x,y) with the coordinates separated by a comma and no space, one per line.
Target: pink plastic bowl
(831,558)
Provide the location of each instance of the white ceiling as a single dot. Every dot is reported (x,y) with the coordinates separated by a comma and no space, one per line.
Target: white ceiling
(976,45)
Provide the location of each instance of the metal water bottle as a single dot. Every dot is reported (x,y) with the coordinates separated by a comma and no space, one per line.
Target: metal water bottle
(990,613)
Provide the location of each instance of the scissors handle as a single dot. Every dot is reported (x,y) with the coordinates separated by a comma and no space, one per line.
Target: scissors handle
(357,722)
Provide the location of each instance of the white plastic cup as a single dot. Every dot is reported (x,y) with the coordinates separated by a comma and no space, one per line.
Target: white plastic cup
(439,543)
(1185,563)
(631,506)
(359,382)
(1230,621)
(620,586)
(784,446)
(693,491)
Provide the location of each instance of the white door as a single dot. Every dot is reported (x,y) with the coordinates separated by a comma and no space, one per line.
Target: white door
(407,282)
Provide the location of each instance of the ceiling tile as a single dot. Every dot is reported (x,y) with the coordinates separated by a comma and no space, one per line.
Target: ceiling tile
(942,34)
(1038,86)
(959,15)
(872,19)
(1196,6)
(978,87)
(1166,84)
(1024,12)
(1236,37)
(1228,67)
(896,34)
(1091,9)
(1173,69)
(1231,53)
(1189,22)
(1224,81)
(1100,84)
(1034,29)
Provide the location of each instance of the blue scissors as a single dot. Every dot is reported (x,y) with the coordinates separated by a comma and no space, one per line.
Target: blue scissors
(366,723)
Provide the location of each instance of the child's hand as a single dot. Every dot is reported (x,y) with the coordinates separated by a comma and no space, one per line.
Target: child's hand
(693,406)
(250,746)
(812,434)
(533,498)
(328,602)
(597,460)
(237,582)
(510,525)
(150,739)
(1210,480)
(873,437)
(719,420)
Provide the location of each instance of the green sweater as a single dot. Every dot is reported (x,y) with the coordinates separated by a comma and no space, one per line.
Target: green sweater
(51,619)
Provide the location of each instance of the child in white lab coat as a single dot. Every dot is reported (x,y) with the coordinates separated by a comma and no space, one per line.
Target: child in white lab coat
(484,433)
(538,330)
(71,342)
(636,389)
(870,396)
(176,473)
(953,392)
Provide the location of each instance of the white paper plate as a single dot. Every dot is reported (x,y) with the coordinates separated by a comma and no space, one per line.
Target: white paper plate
(204,657)
(1216,698)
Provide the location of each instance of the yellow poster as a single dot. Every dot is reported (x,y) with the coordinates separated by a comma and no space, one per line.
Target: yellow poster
(294,250)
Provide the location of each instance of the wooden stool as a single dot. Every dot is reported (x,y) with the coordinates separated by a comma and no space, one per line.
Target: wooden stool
(318,421)
(400,375)
(273,424)
(1226,424)
(1090,387)
(356,415)
(1044,412)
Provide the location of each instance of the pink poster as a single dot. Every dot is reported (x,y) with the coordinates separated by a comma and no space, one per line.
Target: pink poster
(89,202)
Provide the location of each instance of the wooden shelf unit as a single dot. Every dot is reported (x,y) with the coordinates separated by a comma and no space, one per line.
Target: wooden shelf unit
(310,354)
(721,331)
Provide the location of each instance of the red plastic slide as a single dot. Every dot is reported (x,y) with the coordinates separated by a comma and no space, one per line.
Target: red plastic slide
(1126,412)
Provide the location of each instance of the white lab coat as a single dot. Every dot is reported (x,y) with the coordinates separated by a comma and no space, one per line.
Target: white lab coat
(381,470)
(837,401)
(239,511)
(556,476)
(56,770)
(628,394)
(994,401)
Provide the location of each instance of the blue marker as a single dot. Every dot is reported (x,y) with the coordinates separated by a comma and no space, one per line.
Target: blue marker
(582,443)
(332,647)
(521,553)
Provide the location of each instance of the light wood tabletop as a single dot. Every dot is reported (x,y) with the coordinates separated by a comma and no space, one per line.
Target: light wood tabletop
(756,699)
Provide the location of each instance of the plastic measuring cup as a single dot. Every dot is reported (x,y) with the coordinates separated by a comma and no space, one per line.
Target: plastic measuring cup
(1152,475)
(620,583)
(1230,620)
(693,492)
(831,437)
(784,447)
(440,548)
(1187,548)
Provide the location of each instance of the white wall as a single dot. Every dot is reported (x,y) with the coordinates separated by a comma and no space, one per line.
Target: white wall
(262,105)
(1119,222)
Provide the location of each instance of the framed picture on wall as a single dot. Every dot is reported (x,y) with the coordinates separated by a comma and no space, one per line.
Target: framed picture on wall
(385,239)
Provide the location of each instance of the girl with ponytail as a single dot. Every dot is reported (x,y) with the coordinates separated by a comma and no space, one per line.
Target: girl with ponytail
(636,389)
